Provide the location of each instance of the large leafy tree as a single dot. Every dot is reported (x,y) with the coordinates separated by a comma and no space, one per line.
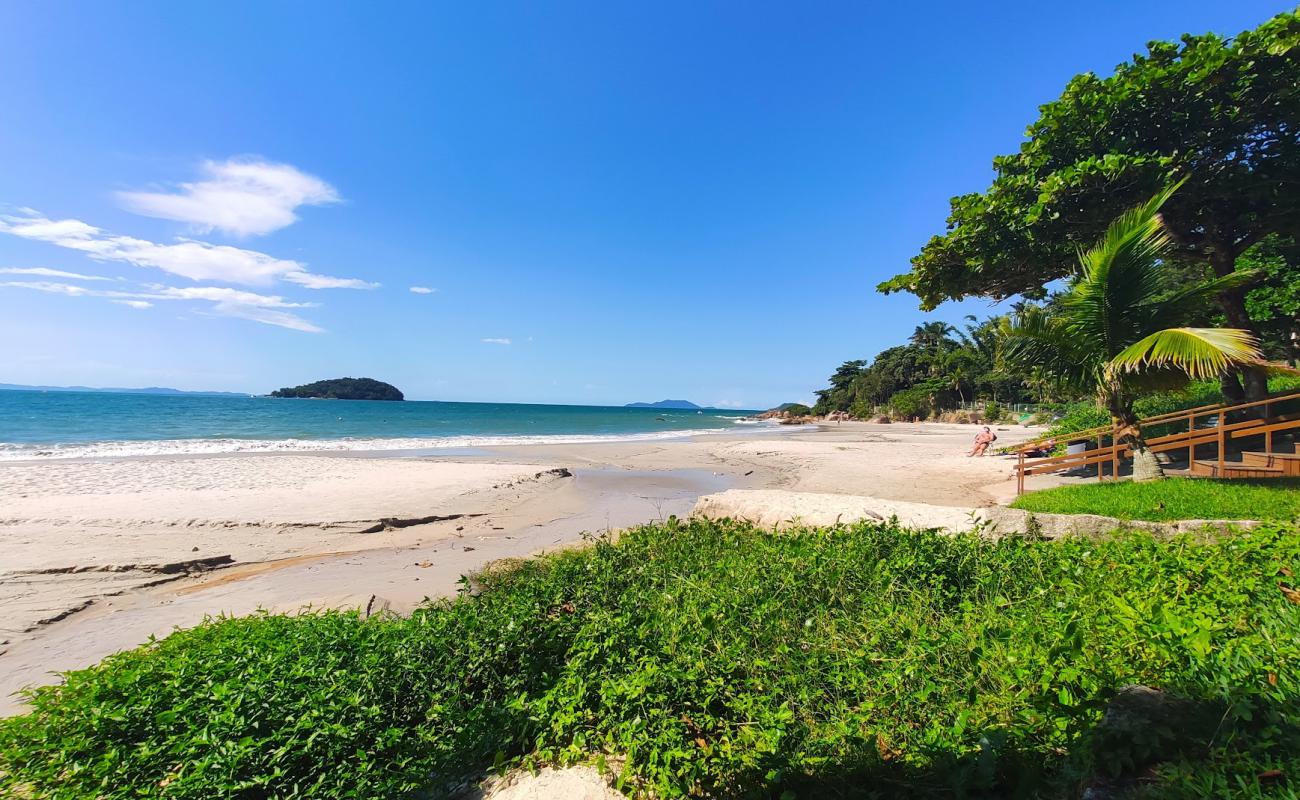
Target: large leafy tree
(1116,329)
(1223,114)
(1274,302)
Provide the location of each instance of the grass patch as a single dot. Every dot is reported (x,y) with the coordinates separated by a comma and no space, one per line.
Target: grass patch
(1172,499)
(722,661)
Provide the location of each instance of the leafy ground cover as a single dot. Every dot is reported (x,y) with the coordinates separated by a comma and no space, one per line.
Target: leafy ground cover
(721,661)
(1172,499)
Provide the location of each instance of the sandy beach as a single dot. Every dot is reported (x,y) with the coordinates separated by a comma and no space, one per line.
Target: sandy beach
(102,554)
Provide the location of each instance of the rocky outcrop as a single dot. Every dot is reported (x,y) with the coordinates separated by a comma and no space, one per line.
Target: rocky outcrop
(785,417)
(780,509)
(1005,520)
(571,783)
(783,509)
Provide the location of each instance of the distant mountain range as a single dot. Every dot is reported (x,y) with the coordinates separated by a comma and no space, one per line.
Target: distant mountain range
(678,404)
(114,390)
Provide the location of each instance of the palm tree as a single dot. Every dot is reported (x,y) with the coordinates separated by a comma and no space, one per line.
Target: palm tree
(956,367)
(1113,330)
(932,335)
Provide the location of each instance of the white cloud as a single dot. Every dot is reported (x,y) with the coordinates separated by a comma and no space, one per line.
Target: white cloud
(422,290)
(140,304)
(314,281)
(221,294)
(225,301)
(266,316)
(45,272)
(496,341)
(242,197)
(198,261)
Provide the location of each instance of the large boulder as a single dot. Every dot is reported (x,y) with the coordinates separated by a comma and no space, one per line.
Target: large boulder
(781,509)
(572,783)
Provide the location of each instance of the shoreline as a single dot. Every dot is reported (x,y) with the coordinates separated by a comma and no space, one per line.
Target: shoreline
(99,547)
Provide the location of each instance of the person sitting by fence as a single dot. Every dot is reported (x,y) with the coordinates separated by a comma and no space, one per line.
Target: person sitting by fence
(983,439)
(1042,449)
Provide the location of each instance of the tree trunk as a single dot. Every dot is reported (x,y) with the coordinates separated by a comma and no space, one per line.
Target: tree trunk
(1253,384)
(1146,467)
(1230,385)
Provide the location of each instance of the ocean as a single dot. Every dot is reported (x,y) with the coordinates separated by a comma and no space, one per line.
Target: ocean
(43,425)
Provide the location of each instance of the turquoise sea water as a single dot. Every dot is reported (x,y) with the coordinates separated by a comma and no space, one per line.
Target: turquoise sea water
(37,424)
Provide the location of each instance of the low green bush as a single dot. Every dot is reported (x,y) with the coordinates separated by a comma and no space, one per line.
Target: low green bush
(1172,499)
(720,661)
(911,403)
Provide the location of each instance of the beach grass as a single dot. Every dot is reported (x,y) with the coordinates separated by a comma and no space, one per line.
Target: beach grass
(717,660)
(1172,499)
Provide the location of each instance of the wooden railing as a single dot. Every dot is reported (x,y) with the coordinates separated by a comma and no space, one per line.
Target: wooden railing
(1265,423)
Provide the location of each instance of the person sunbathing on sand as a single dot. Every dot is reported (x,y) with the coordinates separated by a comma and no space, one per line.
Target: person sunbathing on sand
(983,439)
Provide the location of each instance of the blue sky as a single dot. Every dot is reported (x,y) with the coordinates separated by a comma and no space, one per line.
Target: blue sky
(610,201)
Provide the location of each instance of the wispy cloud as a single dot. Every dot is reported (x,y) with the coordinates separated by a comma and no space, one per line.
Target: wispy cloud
(496,341)
(140,304)
(46,272)
(188,258)
(313,281)
(240,196)
(422,290)
(267,309)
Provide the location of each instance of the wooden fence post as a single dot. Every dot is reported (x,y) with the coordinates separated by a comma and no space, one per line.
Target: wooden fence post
(1223,442)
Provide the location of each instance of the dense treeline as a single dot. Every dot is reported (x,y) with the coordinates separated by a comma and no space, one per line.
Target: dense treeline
(938,368)
(1216,115)
(1213,117)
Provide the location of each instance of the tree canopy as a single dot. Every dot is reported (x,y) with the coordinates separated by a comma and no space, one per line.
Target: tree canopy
(1221,113)
(1117,330)
(1274,302)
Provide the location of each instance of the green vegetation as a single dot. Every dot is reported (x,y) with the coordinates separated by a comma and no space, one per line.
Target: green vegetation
(1172,499)
(344,389)
(1220,113)
(937,369)
(1216,115)
(1275,302)
(794,409)
(1084,414)
(1112,331)
(722,661)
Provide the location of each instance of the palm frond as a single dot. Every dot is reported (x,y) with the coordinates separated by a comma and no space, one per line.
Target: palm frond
(1033,339)
(1121,275)
(1199,353)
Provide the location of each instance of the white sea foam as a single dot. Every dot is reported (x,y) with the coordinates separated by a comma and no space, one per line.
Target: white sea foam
(181,447)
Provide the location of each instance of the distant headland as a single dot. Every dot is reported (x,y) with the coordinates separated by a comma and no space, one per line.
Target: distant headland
(678,404)
(344,389)
(114,390)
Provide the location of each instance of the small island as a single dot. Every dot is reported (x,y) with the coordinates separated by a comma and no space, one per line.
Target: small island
(677,404)
(344,389)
